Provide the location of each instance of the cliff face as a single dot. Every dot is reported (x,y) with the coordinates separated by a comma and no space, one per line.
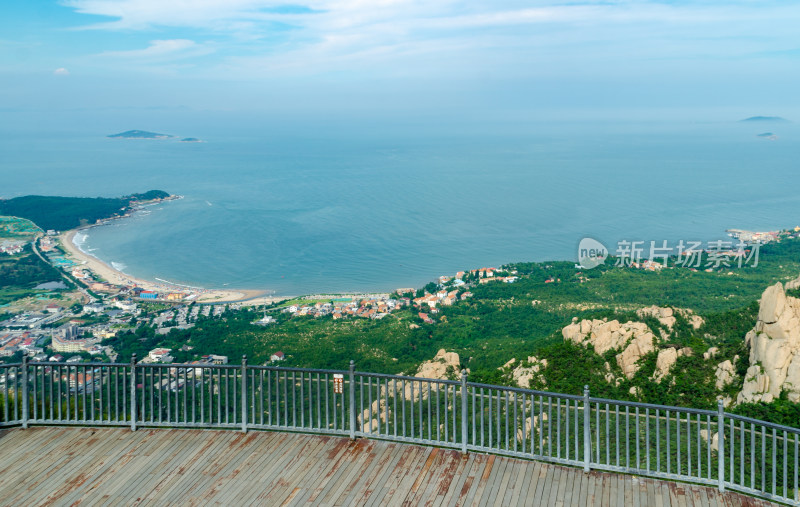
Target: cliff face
(774,345)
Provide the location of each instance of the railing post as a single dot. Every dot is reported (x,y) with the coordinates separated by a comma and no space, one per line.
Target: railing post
(244,394)
(133,392)
(352,399)
(24,392)
(464,411)
(721,444)
(587,435)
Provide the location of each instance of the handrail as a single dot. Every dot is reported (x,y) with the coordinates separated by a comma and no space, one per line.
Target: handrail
(694,445)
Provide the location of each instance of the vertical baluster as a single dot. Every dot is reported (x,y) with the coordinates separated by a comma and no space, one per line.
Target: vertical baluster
(311,399)
(369,401)
(558,427)
(708,448)
(616,418)
(523,423)
(647,437)
(411,405)
(83,395)
(752,456)
(394,405)
(302,399)
(741,453)
(319,399)
(627,437)
(658,440)
(732,446)
(598,443)
(774,460)
(505,393)
(438,423)
(525,426)
(541,425)
(608,440)
(669,447)
(453,415)
(550,427)
(430,411)
(763,472)
(482,418)
(689,444)
(270,405)
(678,438)
(566,428)
(638,438)
(420,410)
(403,401)
(286,395)
(497,421)
(491,419)
(796,467)
(785,475)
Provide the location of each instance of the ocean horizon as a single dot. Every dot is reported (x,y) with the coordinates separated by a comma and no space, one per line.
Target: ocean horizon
(366,211)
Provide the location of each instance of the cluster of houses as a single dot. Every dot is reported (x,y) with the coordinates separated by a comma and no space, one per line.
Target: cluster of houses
(11,248)
(373,307)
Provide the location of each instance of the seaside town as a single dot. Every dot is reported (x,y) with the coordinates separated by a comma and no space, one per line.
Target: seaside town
(70,319)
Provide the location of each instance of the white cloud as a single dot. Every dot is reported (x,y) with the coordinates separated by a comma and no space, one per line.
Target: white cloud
(61,71)
(348,34)
(169,49)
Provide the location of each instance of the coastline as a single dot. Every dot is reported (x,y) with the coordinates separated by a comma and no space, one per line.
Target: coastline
(115,277)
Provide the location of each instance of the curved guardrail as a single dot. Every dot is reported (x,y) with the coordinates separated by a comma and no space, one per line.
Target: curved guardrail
(700,446)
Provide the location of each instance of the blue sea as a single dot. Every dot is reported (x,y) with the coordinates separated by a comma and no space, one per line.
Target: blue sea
(339,207)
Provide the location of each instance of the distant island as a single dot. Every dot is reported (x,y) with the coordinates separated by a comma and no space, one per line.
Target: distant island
(139,134)
(191,140)
(756,119)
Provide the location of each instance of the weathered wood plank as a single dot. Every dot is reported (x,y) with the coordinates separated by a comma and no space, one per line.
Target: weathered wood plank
(112,466)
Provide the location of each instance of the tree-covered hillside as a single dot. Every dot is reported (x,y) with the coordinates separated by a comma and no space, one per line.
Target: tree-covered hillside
(63,213)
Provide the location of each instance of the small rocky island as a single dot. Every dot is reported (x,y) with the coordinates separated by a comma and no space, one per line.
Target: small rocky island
(191,140)
(764,119)
(139,134)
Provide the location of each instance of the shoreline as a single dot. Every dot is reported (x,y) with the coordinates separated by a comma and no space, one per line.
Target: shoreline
(113,276)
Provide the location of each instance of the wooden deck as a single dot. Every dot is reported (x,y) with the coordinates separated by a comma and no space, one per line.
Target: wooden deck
(66,466)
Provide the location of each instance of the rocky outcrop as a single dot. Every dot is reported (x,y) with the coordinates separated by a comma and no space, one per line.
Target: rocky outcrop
(522,375)
(725,373)
(443,366)
(634,338)
(666,359)
(666,315)
(774,345)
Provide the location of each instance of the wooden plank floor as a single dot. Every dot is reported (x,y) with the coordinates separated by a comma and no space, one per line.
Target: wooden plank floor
(67,466)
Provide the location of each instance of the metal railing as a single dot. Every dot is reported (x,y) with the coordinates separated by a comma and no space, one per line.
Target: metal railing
(699,446)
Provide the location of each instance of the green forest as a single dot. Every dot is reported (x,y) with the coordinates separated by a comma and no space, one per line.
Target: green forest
(515,320)
(64,213)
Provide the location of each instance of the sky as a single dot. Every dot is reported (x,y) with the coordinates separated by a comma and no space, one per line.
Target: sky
(507,59)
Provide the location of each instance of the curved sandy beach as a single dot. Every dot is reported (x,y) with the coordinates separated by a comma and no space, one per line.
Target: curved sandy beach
(115,277)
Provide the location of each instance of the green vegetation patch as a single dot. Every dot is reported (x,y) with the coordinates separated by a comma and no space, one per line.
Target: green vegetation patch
(64,213)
